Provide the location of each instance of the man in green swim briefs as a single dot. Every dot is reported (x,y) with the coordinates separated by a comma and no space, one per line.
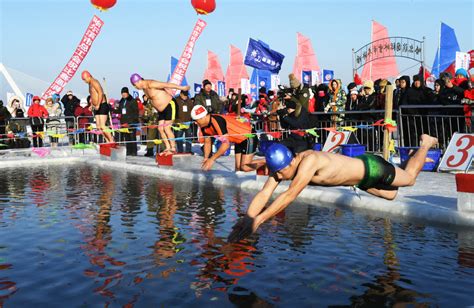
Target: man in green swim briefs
(369,172)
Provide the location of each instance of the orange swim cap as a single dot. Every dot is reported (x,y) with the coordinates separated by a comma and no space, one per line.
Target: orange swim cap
(85,74)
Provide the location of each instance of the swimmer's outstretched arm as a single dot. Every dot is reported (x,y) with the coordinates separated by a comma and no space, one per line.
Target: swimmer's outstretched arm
(166,85)
(244,226)
(301,180)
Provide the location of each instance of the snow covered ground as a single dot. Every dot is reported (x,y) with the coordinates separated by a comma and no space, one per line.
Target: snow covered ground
(433,199)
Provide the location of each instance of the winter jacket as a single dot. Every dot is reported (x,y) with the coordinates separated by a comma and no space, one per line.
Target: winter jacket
(131,110)
(69,105)
(337,101)
(84,115)
(417,96)
(183,109)
(211,101)
(37,110)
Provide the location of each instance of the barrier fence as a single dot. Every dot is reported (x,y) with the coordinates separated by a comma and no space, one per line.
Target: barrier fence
(436,120)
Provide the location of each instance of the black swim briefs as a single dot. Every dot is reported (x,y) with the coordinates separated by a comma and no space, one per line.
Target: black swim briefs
(379,173)
(103,109)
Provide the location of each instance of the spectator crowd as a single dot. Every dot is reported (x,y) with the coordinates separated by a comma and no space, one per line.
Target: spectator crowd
(292,108)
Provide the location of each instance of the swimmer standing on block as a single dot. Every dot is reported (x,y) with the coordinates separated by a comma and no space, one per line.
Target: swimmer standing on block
(99,104)
(369,172)
(157,91)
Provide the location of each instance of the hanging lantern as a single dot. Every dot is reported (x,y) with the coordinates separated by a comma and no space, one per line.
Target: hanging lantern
(204,7)
(103,5)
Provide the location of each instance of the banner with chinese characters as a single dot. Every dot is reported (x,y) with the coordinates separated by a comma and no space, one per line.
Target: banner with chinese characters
(389,47)
(183,63)
(79,55)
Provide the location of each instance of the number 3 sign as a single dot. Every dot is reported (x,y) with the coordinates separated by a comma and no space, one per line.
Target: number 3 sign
(459,154)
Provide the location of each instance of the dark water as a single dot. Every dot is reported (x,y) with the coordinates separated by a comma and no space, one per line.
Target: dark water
(82,236)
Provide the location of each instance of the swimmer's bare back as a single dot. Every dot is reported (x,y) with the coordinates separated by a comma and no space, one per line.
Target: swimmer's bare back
(160,93)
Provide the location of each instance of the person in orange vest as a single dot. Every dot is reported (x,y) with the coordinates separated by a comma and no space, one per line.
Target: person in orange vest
(227,129)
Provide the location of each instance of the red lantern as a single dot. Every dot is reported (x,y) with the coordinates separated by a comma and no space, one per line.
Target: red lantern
(204,7)
(103,4)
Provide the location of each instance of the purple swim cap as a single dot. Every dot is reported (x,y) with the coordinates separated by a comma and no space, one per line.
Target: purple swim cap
(135,78)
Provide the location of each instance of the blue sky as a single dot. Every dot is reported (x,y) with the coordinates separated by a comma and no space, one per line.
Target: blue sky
(38,37)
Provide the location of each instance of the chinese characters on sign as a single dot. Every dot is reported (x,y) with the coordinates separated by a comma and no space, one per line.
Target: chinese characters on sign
(389,47)
(79,54)
(183,63)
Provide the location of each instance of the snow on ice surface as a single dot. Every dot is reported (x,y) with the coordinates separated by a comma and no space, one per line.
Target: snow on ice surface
(432,199)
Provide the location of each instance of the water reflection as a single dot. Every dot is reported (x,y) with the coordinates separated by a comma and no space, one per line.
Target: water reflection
(139,235)
(385,289)
(106,271)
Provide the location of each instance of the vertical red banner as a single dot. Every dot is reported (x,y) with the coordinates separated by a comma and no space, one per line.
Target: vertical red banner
(183,63)
(79,55)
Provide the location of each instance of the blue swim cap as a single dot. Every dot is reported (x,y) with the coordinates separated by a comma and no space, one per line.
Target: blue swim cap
(278,157)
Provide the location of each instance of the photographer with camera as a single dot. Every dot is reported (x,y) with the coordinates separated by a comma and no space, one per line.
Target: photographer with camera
(291,119)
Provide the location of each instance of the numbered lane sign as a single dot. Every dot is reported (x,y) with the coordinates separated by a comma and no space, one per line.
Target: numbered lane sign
(459,154)
(334,141)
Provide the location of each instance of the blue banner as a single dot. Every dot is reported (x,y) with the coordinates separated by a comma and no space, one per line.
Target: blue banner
(221,88)
(307,77)
(197,88)
(260,56)
(29,99)
(174,62)
(260,78)
(135,94)
(446,53)
(328,75)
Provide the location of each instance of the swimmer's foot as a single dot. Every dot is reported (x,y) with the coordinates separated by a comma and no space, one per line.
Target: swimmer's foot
(428,141)
(168,152)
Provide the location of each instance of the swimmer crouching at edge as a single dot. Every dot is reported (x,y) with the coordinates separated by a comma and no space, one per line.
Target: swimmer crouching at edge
(369,172)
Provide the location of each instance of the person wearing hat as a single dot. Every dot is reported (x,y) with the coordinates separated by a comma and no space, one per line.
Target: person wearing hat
(5,115)
(368,172)
(302,93)
(53,124)
(128,110)
(297,140)
(228,130)
(158,92)
(208,98)
(99,104)
(184,105)
(70,102)
(37,113)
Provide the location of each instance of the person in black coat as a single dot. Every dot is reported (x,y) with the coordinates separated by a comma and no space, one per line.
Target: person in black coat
(70,102)
(128,109)
(297,141)
(418,94)
(399,95)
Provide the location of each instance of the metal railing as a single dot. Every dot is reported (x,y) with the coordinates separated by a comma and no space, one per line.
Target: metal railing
(436,120)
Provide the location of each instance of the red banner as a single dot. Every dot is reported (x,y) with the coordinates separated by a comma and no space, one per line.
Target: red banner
(73,65)
(183,63)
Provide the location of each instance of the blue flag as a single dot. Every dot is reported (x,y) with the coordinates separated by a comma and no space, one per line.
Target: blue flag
(307,76)
(446,53)
(260,78)
(197,88)
(221,88)
(328,75)
(29,99)
(260,56)
(174,62)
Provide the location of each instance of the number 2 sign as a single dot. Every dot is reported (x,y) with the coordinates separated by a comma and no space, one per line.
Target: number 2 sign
(459,154)
(334,141)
